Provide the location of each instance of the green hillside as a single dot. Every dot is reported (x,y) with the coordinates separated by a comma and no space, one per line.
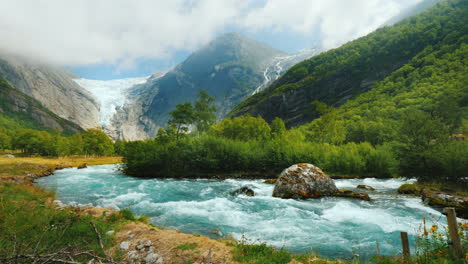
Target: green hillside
(334,77)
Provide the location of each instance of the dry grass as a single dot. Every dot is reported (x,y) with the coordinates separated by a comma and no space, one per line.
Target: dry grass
(21,166)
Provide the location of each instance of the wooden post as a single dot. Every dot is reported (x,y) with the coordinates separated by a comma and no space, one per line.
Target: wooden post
(454,242)
(405,245)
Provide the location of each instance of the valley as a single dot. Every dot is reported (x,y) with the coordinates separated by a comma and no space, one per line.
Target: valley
(265,134)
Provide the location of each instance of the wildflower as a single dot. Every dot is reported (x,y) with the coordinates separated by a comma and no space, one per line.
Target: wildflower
(460,232)
(440,236)
(465,225)
(434,228)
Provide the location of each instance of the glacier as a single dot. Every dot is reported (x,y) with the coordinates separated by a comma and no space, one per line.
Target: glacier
(111,94)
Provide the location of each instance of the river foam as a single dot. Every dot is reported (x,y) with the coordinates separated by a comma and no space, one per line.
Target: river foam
(333,227)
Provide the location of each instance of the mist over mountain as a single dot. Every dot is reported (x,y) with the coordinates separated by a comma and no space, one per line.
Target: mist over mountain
(53,87)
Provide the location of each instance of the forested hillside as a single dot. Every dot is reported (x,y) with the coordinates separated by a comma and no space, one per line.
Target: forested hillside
(336,76)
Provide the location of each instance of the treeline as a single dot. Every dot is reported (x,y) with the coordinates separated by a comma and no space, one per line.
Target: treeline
(44,143)
(249,147)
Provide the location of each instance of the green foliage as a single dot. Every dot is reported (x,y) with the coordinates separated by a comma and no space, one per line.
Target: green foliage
(426,43)
(201,114)
(187,246)
(5,140)
(219,153)
(96,142)
(327,128)
(182,117)
(260,254)
(127,215)
(278,128)
(32,142)
(205,111)
(242,128)
(43,230)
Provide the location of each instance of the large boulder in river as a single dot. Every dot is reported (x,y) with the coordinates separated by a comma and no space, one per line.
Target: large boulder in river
(302,181)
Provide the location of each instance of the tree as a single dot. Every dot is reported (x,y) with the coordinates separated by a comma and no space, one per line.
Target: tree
(182,117)
(96,142)
(5,140)
(278,128)
(243,128)
(205,111)
(327,128)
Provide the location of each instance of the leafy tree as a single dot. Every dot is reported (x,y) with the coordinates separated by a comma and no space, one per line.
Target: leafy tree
(327,128)
(205,111)
(5,140)
(96,142)
(243,128)
(182,117)
(278,128)
(119,147)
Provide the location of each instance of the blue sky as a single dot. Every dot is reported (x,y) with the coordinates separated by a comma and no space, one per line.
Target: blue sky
(110,39)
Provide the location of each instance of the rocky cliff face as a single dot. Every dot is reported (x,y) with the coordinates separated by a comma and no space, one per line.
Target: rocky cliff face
(19,106)
(53,87)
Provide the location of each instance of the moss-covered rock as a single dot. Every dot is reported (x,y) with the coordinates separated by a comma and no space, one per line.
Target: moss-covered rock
(442,200)
(303,181)
(367,187)
(352,194)
(270,181)
(410,189)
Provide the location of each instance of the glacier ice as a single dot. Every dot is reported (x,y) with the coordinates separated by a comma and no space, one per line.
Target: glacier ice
(110,93)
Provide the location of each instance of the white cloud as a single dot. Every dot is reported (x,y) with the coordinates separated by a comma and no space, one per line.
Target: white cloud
(337,21)
(84,32)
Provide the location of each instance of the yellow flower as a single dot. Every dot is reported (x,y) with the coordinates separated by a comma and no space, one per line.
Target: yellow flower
(465,225)
(440,236)
(434,228)
(460,232)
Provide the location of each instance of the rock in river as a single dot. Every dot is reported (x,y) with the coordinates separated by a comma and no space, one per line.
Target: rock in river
(302,181)
(244,190)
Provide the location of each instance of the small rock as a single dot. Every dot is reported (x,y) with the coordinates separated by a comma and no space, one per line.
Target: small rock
(351,194)
(139,247)
(152,258)
(131,236)
(367,187)
(244,190)
(151,249)
(9,156)
(148,243)
(132,254)
(110,232)
(124,245)
(82,166)
(58,203)
(159,261)
(217,231)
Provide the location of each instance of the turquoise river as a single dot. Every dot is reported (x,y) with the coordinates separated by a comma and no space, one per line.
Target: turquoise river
(331,227)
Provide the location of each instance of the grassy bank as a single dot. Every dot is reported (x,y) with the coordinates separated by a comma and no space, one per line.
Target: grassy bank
(23,166)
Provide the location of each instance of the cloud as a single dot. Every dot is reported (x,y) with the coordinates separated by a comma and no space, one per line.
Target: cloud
(337,21)
(89,32)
